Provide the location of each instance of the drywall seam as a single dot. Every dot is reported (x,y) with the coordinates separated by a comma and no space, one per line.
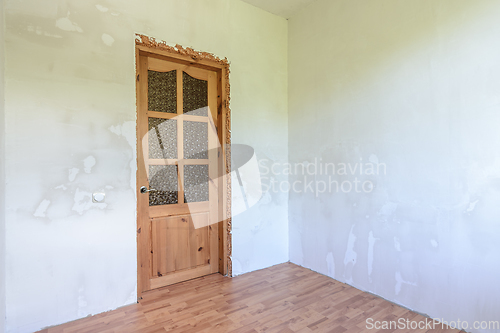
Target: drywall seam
(152,43)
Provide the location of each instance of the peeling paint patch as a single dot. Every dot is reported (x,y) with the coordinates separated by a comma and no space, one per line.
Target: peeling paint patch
(72,174)
(101,8)
(61,187)
(330,264)
(88,163)
(42,208)
(107,39)
(64,23)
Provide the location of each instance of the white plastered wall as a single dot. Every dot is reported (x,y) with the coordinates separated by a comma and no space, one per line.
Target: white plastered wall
(414,85)
(70,119)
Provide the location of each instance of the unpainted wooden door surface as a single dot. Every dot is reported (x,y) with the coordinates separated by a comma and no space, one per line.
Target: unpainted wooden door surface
(177,168)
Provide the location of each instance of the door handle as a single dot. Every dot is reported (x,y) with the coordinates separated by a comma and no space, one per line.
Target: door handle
(144,189)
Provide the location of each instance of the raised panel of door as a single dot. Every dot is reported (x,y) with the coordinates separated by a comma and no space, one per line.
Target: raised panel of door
(177,168)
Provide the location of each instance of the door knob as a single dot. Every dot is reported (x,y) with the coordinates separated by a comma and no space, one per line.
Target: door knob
(144,189)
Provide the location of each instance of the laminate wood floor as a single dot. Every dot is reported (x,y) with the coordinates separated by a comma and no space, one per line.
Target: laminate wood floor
(282,298)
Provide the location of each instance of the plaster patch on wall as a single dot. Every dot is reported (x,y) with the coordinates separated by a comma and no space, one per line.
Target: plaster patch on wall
(39,31)
(350,255)
(237,268)
(400,281)
(88,163)
(371,245)
(397,244)
(101,8)
(48,34)
(330,264)
(434,243)
(61,187)
(373,158)
(388,209)
(107,39)
(127,130)
(472,206)
(42,208)
(132,297)
(82,302)
(72,174)
(116,129)
(64,23)
(83,202)
(266,198)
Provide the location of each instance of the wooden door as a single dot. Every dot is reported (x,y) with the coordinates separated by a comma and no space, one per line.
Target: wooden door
(177,170)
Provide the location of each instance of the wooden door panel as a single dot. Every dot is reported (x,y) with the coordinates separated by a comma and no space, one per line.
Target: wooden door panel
(180,242)
(180,214)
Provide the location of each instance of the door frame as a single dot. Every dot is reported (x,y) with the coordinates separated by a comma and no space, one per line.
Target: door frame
(148,46)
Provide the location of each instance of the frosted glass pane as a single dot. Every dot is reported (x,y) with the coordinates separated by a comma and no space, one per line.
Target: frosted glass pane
(164,179)
(162,91)
(195,140)
(162,140)
(195,183)
(195,95)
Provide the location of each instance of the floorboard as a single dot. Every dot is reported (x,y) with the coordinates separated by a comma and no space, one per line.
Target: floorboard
(283,298)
